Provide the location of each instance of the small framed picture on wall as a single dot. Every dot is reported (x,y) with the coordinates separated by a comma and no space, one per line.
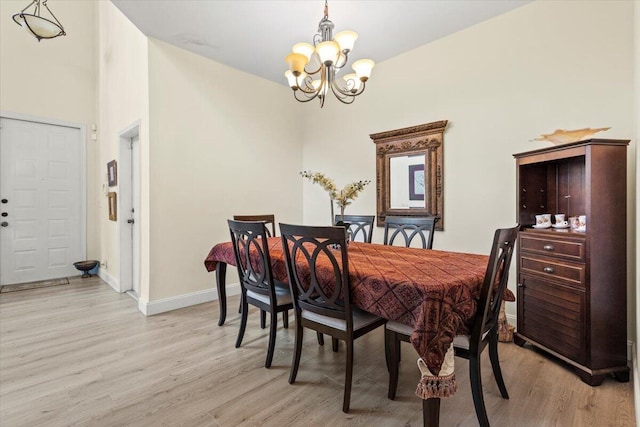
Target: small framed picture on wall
(416,182)
(113,206)
(112,173)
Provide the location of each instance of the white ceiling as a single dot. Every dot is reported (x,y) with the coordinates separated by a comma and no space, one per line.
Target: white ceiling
(256,35)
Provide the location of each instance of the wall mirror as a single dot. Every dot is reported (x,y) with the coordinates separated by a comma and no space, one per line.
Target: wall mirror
(409,172)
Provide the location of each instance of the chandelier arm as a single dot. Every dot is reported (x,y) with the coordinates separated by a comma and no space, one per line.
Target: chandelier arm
(307,88)
(31,4)
(44,2)
(306,98)
(342,97)
(349,93)
(313,72)
(346,59)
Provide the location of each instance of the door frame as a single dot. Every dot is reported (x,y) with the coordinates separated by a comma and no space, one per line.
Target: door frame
(83,164)
(127,258)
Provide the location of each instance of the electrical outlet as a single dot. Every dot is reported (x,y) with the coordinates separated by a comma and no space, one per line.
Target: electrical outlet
(103,264)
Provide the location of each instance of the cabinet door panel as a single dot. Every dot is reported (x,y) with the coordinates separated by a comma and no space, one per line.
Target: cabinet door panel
(552,315)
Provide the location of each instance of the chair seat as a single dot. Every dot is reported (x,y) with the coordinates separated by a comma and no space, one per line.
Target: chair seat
(283,296)
(361,319)
(460,341)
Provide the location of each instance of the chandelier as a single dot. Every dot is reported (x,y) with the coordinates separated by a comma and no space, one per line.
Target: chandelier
(325,58)
(39,27)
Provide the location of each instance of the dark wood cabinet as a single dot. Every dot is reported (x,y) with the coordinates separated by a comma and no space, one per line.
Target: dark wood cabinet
(572,285)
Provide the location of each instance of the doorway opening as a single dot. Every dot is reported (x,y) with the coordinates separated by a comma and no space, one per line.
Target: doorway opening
(128,210)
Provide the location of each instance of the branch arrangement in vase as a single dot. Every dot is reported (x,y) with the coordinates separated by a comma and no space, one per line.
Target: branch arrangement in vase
(342,198)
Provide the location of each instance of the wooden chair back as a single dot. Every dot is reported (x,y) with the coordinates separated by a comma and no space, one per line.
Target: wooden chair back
(494,285)
(251,250)
(266,219)
(318,270)
(410,228)
(360,226)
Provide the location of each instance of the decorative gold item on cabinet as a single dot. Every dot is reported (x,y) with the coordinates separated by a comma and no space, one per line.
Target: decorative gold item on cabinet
(563,136)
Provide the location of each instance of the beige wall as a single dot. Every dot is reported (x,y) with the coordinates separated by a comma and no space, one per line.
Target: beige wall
(124,100)
(55,79)
(500,84)
(222,142)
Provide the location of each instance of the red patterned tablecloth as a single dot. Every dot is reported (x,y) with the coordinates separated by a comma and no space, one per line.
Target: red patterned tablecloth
(433,291)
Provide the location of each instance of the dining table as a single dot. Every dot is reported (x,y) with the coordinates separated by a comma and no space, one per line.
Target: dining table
(433,291)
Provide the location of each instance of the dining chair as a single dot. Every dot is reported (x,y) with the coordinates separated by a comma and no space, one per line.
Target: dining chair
(318,272)
(409,228)
(484,329)
(360,226)
(257,285)
(266,219)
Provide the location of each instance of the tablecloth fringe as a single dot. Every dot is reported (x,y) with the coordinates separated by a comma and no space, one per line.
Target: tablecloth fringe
(434,386)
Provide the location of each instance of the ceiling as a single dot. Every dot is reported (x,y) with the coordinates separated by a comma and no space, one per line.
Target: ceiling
(256,35)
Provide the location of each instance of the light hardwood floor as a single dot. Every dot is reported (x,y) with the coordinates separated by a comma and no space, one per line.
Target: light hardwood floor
(81,354)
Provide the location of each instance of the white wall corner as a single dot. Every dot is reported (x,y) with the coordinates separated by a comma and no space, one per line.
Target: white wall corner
(185,300)
(111,281)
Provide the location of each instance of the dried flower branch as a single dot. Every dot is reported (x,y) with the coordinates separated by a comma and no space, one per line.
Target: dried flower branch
(344,197)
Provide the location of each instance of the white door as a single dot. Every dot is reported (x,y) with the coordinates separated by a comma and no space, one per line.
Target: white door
(41,201)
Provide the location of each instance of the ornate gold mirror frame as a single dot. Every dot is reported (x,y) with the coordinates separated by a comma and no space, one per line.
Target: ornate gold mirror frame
(413,142)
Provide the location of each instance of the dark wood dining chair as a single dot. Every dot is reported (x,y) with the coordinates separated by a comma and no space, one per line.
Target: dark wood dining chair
(484,330)
(360,226)
(318,272)
(258,287)
(266,219)
(410,228)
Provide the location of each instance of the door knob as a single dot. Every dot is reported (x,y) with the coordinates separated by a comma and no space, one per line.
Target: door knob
(4,224)
(130,221)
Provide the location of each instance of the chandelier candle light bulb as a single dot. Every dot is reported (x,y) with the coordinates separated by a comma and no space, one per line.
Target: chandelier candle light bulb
(332,54)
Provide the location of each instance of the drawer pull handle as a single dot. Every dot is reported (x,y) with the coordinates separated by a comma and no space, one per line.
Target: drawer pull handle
(548,270)
(548,247)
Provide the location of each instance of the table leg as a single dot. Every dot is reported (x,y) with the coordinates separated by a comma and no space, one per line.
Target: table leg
(431,412)
(221,278)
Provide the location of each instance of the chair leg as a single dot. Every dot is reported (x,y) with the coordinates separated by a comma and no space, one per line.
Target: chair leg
(476,390)
(240,306)
(335,344)
(296,353)
(320,338)
(273,326)
(243,320)
(431,412)
(348,377)
(392,350)
(495,365)
(285,319)
(263,319)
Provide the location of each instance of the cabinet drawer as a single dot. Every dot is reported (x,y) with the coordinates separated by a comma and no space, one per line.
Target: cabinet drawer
(570,273)
(552,315)
(570,249)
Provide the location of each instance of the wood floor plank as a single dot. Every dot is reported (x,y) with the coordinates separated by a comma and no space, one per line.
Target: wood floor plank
(81,354)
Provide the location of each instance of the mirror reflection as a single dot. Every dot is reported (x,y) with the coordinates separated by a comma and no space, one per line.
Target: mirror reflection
(406,182)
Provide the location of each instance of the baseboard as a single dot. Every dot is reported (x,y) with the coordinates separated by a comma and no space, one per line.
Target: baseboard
(512,319)
(109,279)
(186,300)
